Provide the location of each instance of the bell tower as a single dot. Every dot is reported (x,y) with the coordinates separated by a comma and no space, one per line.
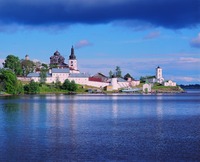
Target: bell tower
(158,73)
(159,76)
(72,60)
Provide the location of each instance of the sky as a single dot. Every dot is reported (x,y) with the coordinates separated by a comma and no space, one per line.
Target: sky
(136,35)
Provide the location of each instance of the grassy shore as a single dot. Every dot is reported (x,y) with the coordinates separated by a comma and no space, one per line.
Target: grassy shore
(50,89)
(167,89)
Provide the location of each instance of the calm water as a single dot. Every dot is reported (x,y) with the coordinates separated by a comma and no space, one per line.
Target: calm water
(100,127)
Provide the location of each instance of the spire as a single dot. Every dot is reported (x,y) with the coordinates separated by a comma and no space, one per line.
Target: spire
(72,56)
(72,50)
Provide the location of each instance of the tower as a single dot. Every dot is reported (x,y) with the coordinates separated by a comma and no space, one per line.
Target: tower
(158,73)
(159,76)
(72,60)
(114,83)
(26,57)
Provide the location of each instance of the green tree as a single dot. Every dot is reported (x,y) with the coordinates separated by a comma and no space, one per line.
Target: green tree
(110,74)
(118,72)
(128,76)
(27,66)
(13,63)
(73,86)
(9,82)
(38,65)
(57,84)
(43,75)
(70,86)
(45,66)
(32,87)
(20,87)
(53,66)
(66,84)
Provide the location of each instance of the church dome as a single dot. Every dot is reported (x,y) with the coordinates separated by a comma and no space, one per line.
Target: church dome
(56,53)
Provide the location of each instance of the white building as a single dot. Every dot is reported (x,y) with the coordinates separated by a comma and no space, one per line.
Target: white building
(146,88)
(158,78)
(71,72)
(170,83)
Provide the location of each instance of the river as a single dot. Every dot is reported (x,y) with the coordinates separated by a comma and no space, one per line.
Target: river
(137,127)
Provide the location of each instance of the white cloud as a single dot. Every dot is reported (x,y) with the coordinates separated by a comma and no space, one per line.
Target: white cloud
(189,60)
(195,42)
(186,79)
(152,35)
(82,43)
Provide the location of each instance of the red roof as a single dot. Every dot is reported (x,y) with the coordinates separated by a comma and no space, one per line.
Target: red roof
(95,79)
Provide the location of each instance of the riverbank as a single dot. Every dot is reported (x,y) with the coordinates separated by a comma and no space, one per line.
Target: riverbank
(164,89)
(52,90)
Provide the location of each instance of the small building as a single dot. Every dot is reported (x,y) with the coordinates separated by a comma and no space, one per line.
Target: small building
(146,88)
(34,76)
(109,88)
(170,83)
(150,79)
(99,77)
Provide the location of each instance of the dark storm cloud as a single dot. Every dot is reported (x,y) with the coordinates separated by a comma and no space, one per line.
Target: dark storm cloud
(166,13)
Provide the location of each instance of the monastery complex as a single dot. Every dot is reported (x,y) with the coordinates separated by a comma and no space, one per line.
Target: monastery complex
(70,71)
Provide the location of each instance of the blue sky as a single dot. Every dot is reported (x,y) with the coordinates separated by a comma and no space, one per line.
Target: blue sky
(137,35)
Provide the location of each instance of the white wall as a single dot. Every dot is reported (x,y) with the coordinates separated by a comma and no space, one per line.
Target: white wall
(60,76)
(97,84)
(123,84)
(135,82)
(82,81)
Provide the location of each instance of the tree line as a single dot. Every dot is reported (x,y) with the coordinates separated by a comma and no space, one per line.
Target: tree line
(118,73)
(22,67)
(13,67)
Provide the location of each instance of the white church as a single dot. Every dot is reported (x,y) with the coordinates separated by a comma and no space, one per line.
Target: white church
(70,71)
(158,78)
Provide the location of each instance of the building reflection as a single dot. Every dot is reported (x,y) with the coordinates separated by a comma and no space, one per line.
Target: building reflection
(114,106)
(159,106)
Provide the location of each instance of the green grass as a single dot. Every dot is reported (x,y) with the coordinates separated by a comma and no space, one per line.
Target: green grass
(50,88)
(160,88)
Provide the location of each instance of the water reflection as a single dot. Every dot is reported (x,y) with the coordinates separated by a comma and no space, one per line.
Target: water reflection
(114,106)
(10,107)
(99,128)
(159,106)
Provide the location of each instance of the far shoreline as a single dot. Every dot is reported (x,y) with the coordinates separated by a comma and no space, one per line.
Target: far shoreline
(102,93)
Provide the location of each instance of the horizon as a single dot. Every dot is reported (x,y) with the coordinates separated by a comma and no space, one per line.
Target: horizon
(135,35)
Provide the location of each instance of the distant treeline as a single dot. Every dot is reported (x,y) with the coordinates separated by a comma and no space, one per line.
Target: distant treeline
(190,86)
